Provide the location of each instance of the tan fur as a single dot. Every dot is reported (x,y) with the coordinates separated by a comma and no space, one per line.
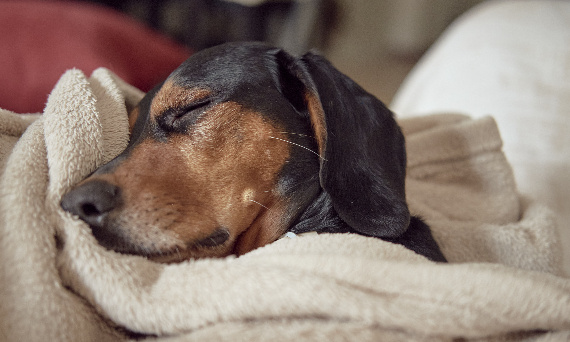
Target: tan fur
(172,95)
(133,116)
(317,116)
(221,174)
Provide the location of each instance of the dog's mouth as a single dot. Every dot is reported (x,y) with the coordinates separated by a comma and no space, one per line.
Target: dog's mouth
(217,238)
(214,245)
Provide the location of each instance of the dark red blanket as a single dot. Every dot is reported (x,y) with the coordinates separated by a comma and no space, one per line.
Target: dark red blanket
(39,40)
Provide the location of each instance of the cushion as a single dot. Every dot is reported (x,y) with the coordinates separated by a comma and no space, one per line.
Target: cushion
(46,38)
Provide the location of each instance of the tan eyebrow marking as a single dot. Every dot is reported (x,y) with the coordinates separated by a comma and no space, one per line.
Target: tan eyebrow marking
(172,95)
(133,116)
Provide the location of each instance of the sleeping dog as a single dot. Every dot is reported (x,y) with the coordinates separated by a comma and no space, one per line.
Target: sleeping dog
(243,143)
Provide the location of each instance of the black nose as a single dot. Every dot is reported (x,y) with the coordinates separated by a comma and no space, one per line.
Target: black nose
(93,201)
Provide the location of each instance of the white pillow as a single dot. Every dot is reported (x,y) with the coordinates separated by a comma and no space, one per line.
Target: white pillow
(511,60)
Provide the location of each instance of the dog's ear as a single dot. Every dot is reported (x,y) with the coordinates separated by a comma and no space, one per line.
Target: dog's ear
(363,156)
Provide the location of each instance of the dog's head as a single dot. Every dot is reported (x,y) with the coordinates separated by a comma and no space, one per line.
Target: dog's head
(229,151)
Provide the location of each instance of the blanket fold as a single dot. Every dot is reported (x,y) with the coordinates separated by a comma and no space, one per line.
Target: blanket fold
(503,281)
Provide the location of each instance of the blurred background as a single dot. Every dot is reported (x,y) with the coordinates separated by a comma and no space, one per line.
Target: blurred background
(375,42)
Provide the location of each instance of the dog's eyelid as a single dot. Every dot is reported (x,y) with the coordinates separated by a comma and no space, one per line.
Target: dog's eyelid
(192,107)
(177,119)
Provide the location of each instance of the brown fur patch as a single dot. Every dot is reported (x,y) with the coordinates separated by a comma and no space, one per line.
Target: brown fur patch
(266,228)
(171,95)
(133,116)
(222,174)
(317,116)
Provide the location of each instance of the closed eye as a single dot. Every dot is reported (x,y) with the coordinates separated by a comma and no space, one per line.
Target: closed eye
(191,108)
(178,119)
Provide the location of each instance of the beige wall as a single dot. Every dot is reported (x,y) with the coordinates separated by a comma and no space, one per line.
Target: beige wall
(404,26)
(377,42)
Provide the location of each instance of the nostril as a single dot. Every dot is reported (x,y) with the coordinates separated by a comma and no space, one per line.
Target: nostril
(89,209)
(92,202)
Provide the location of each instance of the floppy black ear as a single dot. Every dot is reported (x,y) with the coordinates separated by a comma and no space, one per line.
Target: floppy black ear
(363,162)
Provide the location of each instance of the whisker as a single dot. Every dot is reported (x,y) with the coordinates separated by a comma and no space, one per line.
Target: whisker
(178,252)
(299,134)
(259,204)
(301,146)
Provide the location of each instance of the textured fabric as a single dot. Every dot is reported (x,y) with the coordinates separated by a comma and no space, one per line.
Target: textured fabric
(58,284)
(508,59)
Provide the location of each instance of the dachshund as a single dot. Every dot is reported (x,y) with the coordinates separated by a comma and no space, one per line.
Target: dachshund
(243,143)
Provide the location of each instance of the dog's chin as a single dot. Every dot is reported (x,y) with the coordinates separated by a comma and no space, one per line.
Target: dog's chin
(177,256)
(169,258)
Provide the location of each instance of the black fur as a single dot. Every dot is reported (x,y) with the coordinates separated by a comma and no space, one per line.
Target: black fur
(355,185)
(362,172)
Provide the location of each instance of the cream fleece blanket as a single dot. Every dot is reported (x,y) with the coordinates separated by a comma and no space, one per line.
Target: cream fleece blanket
(58,284)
